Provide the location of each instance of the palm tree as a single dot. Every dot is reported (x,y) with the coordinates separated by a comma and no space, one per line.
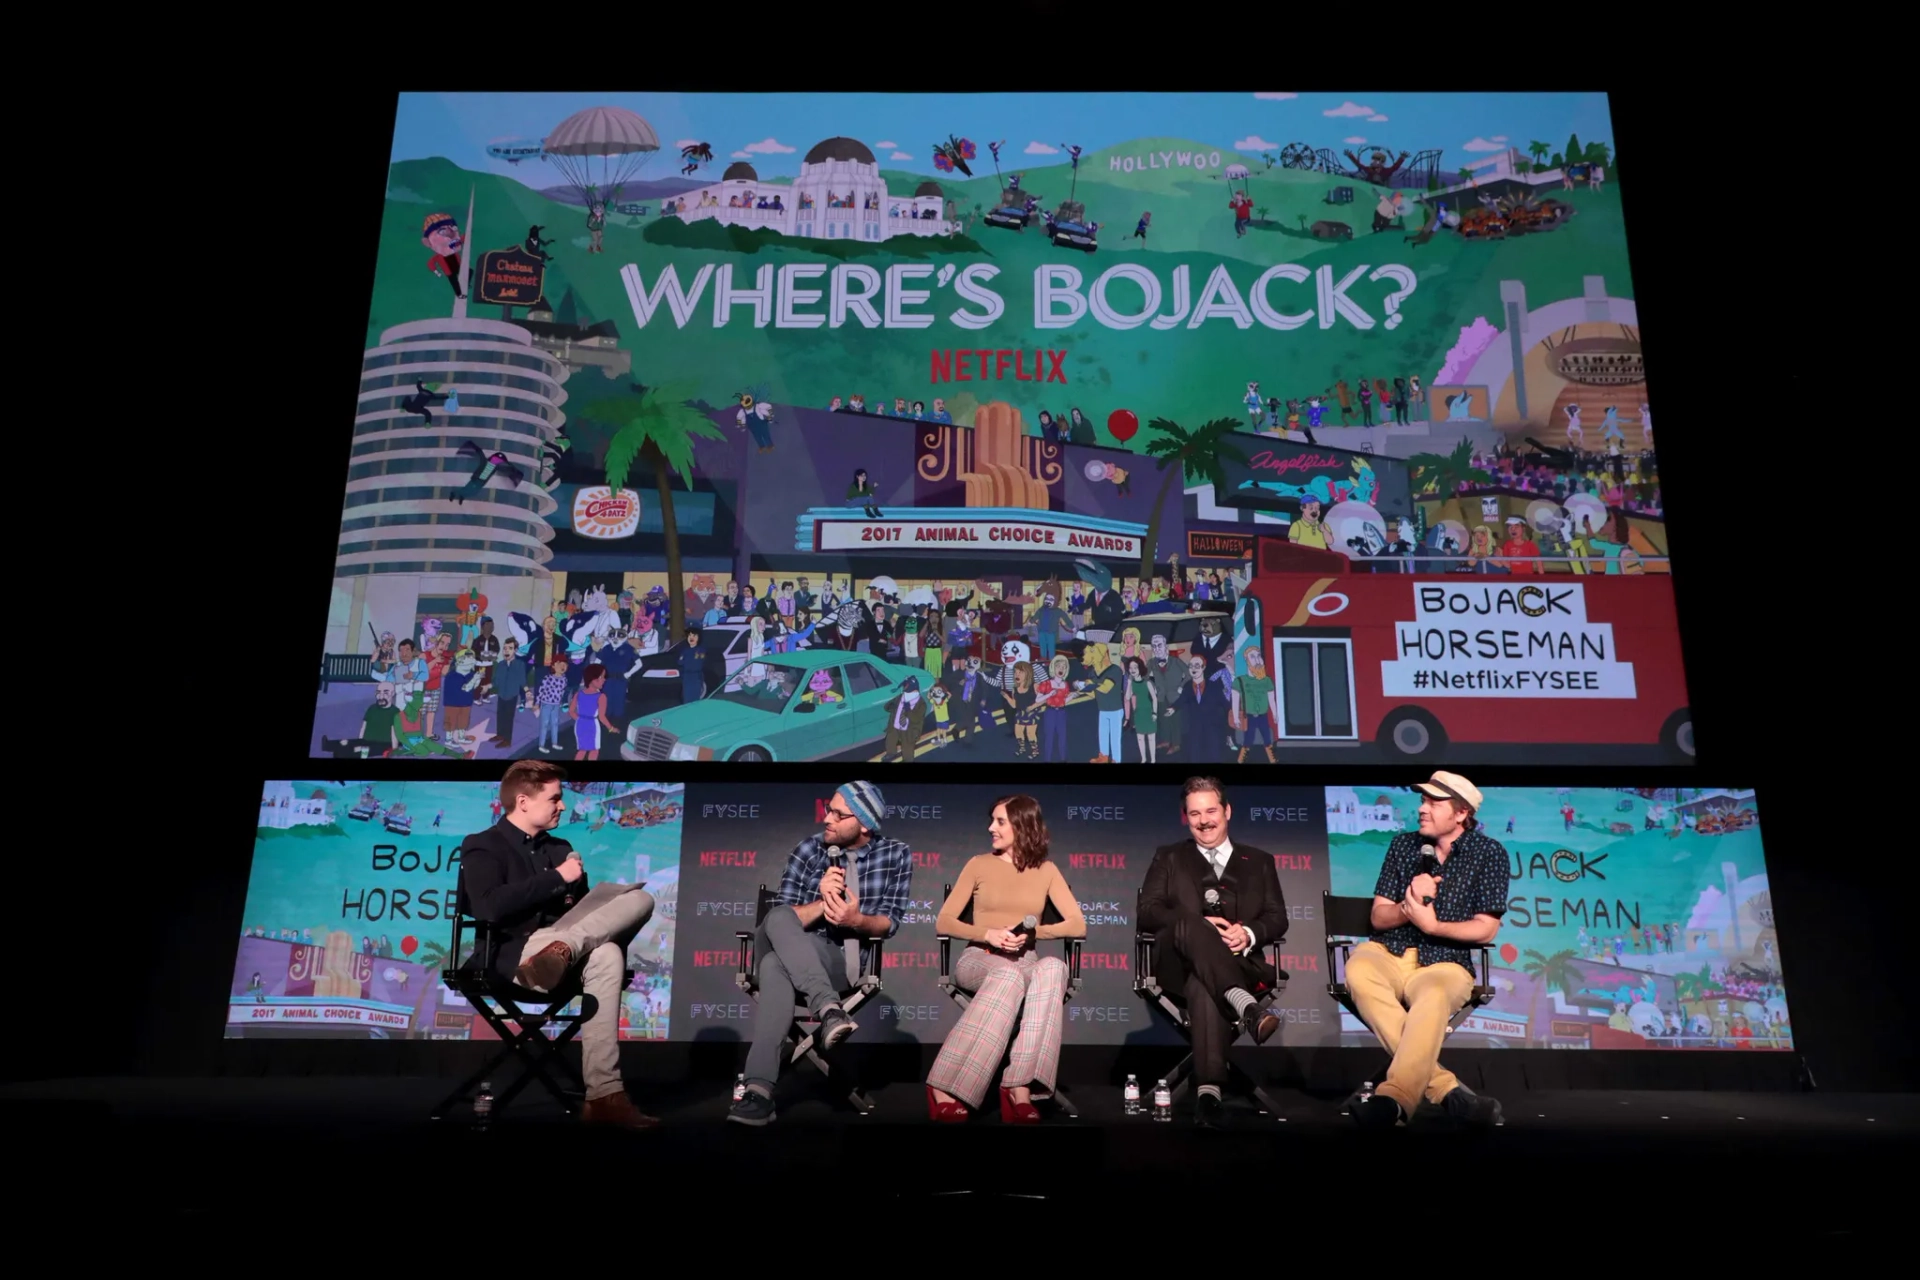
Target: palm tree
(1262,211)
(1448,473)
(1466,173)
(1196,455)
(1538,150)
(657,426)
(1556,972)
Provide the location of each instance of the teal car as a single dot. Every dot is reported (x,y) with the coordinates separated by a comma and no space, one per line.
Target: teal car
(781,706)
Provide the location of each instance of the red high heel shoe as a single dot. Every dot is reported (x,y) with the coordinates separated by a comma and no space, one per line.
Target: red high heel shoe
(1012,1112)
(944,1112)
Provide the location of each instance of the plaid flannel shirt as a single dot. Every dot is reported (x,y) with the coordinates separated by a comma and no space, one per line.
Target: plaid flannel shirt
(883,877)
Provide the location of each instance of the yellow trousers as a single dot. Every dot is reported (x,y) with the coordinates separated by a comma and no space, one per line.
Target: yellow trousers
(1408,1008)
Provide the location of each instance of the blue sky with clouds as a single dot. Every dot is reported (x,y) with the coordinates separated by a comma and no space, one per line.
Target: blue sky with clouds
(774,131)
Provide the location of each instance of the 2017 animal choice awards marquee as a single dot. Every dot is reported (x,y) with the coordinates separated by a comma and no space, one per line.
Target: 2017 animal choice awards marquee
(886,386)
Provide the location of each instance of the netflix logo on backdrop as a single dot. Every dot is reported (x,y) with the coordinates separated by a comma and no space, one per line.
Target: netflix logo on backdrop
(1103,840)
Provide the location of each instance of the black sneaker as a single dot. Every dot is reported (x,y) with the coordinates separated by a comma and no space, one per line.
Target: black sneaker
(1258,1023)
(754,1108)
(1209,1112)
(835,1026)
(1378,1112)
(1465,1107)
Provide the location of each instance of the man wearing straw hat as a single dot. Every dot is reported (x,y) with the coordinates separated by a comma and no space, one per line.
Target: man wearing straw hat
(1441,893)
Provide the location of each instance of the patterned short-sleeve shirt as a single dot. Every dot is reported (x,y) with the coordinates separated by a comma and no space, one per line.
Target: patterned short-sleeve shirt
(553,690)
(1473,882)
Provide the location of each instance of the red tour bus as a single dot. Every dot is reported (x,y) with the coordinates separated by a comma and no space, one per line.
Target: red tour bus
(1416,661)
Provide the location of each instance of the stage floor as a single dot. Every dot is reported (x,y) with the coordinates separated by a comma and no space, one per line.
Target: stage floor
(1799,1165)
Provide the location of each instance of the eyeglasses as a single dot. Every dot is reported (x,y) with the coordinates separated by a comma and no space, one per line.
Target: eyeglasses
(839,815)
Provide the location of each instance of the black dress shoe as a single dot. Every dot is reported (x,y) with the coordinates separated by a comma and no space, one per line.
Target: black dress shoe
(1465,1107)
(1209,1112)
(1378,1112)
(1259,1023)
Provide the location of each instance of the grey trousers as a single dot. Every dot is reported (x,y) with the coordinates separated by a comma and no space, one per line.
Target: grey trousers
(598,931)
(795,965)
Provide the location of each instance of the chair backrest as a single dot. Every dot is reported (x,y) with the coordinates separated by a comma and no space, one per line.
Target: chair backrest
(762,904)
(1346,917)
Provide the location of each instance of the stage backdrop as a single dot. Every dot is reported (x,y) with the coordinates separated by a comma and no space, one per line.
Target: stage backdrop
(349,906)
(910,366)
(1637,918)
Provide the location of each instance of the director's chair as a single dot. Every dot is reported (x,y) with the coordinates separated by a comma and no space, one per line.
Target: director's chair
(520,1020)
(962,997)
(1349,923)
(1147,986)
(863,973)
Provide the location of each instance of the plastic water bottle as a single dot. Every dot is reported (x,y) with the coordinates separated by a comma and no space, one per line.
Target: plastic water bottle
(1362,1094)
(1162,1102)
(739,1087)
(1131,1096)
(483,1105)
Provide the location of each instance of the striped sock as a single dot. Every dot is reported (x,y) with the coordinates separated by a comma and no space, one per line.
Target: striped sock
(1210,1091)
(1241,999)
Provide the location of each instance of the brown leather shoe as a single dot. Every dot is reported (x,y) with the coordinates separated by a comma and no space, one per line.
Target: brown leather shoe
(543,971)
(617,1109)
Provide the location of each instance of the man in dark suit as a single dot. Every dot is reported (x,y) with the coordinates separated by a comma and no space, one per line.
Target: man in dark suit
(530,889)
(1211,906)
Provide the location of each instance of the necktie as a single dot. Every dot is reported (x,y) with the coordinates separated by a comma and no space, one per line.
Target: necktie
(1213,856)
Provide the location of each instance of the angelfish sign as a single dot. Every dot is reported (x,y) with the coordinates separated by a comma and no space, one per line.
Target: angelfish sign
(1531,641)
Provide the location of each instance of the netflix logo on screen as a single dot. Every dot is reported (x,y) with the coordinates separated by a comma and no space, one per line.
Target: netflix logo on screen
(728,857)
(926,859)
(1300,963)
(910,960)
(725,959)
(1118,961)
(1293,861)
(1097,861)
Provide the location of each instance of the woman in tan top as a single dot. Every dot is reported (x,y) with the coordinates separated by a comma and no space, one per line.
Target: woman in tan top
(1004,973)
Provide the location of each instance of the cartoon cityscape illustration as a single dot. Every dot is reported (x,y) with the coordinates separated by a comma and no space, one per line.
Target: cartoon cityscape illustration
(1286,426)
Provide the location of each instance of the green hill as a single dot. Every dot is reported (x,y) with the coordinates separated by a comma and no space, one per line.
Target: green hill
(1189,375)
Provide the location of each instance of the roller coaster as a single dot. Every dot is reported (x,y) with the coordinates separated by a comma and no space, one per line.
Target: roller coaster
(1417,172)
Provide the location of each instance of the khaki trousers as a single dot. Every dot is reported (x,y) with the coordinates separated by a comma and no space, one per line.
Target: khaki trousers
(1408,1008)
(598,931)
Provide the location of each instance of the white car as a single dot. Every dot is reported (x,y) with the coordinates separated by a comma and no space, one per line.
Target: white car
(732,634)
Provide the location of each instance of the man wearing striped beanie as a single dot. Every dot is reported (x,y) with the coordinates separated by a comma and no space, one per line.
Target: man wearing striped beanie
(848,882)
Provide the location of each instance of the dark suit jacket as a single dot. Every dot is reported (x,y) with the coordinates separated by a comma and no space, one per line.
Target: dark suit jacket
(510,883)
(1177,882)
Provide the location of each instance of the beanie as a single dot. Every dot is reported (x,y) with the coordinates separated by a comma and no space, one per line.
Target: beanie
(865,802)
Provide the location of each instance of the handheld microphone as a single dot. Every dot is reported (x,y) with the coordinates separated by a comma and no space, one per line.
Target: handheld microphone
(1430,866)
(1025,927)
(1213,900)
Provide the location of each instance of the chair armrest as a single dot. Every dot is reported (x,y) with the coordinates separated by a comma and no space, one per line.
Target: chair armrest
(1073,965)
(745,963)
(1339,951)
(946,955)
(1143,957)
(872,960)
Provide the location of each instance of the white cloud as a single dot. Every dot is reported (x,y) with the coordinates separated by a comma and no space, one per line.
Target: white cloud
(1499,137)
(1347,110)
(1254,142)
(1376,119)
(1276,97)
(899,155)
(1041,149)
(768,147)
(887,146)
(687,142)
(1354,141)
(1481,144)
(743,155)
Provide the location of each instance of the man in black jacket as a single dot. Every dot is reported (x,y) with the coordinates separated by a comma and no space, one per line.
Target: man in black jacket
(530,889)
(1211,906)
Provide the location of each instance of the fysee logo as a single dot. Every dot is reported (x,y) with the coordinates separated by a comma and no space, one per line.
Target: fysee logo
(1279,813)
(726,909)
(1099,1013)
(1096,813)
(736,811)
(720,1012)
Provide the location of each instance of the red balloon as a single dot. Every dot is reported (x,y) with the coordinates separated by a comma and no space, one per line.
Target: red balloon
(409,945)
(1508,952)
(1123,424)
